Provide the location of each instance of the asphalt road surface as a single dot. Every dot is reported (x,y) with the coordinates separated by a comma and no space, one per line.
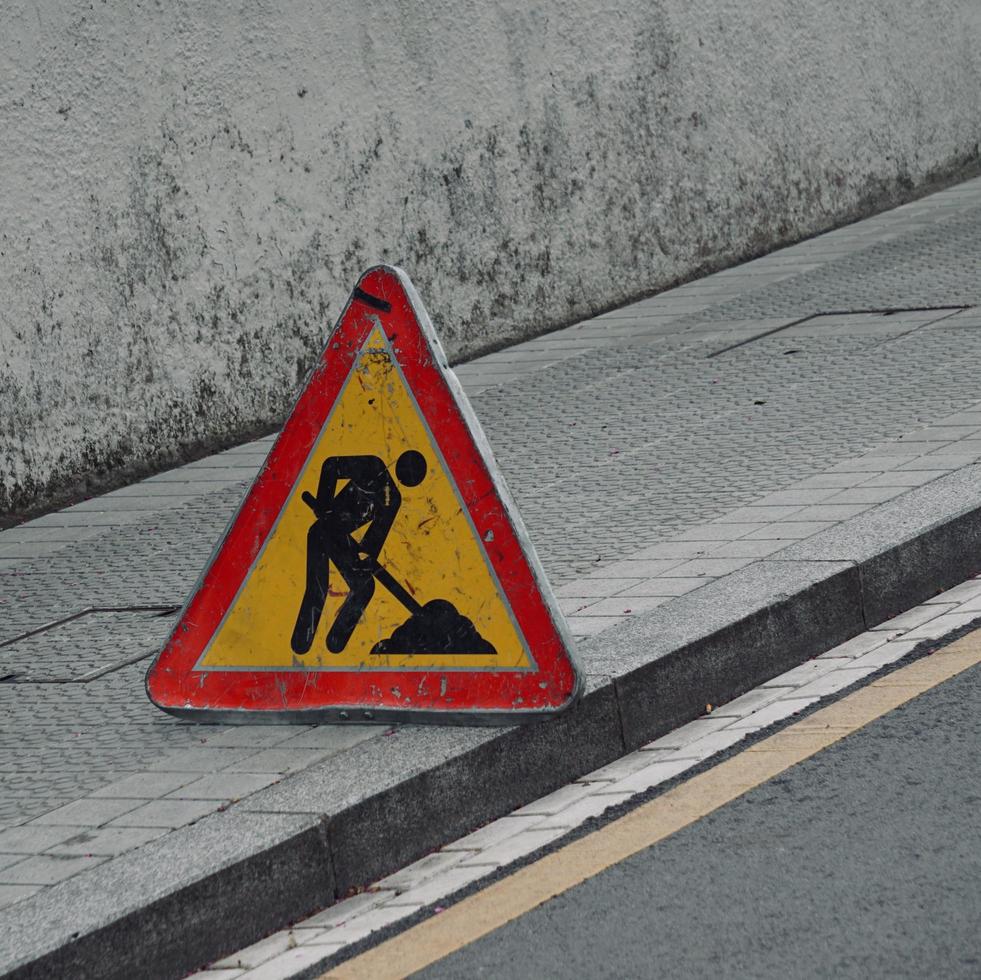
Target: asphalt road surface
(862,861)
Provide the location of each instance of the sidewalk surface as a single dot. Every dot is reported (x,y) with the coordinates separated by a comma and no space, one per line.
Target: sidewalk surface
(651,450)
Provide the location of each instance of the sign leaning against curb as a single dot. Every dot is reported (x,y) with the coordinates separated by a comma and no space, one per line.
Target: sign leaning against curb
(378,568)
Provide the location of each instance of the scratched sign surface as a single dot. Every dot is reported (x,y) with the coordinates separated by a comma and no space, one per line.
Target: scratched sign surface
(377,568)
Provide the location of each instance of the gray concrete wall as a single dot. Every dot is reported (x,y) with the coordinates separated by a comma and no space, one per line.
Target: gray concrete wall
(188,190)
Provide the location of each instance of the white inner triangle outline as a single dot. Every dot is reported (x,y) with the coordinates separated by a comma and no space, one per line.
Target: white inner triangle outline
(455,391)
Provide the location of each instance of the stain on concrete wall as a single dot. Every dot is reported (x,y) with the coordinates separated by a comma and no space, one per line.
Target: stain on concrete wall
(189,190)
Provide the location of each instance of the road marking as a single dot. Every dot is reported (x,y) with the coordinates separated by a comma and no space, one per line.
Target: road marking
(555,873)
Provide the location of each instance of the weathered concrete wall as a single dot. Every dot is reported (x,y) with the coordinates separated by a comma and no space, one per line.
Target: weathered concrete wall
(189,190)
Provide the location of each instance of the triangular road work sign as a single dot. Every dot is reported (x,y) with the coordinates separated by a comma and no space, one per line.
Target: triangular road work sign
(377,569)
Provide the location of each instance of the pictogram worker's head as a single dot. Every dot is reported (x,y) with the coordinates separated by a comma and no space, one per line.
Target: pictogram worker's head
(410,468)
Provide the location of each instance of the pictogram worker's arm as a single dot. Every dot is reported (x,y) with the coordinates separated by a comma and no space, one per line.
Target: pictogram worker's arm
(358,469)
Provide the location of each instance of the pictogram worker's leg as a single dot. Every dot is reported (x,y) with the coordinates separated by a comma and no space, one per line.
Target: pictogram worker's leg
(312,604)
(358,574)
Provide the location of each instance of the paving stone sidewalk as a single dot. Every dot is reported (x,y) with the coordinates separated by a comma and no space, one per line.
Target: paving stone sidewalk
(651,450)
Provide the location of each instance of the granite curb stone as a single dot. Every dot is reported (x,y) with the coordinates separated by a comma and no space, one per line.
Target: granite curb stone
(165,909)
(928,538)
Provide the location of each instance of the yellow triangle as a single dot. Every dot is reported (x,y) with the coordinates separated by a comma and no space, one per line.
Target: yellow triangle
(431,550)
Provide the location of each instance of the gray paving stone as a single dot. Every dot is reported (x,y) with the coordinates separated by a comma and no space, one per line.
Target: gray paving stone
(245,460)
(750,702)
(87,812)
(574,606)
(942,625)
(315,949)
(440,886)
(699,567)
(799,497)
(107,841)
(888,653)
(970,589)
(808,671)
(623,605)
(946,433)
(971,418)
(665,587)
(872,464)
(166,813)
(333,738)
(963,449)
(656,772)
(640,569)
(493,833)
(829,512)
(618,769)
(224,786)
(779,710)
(553,802)
(595,588)
(675,549)
(909,448)
(30,550)
(749,549)
(719,532)
(258,953)
(689,733)
(199,474)
(278,760)
(759,514)
(934,462)
(112,503)
(171,489)
(201,759)
(26,535)
(514,848)
(34,839)
(143,786)
(47,869)
(363,926)
(833,480)
(790,530)
(904,479)
(865,495)
(592,806)
(340,912)
(582,626)
(423,869)
(222,974)
(914,617)
(836,680)
(857,646)
(254,737)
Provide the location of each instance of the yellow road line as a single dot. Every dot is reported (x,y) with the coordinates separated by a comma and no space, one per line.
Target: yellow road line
(512,897)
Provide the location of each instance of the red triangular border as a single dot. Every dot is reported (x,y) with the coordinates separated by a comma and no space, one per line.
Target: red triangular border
(478,697)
